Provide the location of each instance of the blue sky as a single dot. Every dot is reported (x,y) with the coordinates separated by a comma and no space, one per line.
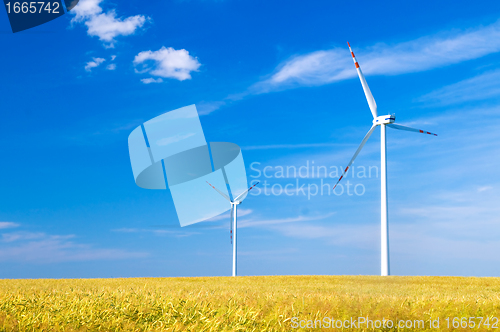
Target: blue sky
(278,81)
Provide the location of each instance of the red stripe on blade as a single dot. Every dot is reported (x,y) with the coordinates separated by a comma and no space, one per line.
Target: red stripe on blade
(357,66)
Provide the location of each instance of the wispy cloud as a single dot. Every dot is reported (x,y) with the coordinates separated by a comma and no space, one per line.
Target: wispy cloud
(269,253)
(150,80)
(268,222)
(16,236)
(360,236)
(127,230)
(481,87)
(454,224)
(484,188)
(160,232)
(105,25)
(111,66)
(225,216)
(327,66)
(333,65)
(168,63)
(290,146)
(40,247)
(8,224)
(173,233)
(205,108)
(173,139)
(96,62)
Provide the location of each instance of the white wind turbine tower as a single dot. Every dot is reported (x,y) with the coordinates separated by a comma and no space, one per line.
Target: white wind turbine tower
(382,121)
(233,221)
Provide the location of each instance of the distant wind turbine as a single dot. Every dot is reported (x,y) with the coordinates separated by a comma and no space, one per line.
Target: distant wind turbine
(233,222)
(382,121)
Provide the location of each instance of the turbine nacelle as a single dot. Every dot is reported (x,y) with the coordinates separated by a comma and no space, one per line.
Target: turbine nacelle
(384,119)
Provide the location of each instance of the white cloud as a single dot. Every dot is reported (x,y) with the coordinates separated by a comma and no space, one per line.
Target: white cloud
(105,25)
(327,66)
(111,66)
(150,80)
(93,64)
(481,87)
(168,63)
(113,57)
(8,224)
(86,9)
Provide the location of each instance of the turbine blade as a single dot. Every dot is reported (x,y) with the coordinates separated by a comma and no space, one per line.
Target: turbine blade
(363,142)
(220,192)
(400,127)
(366,89)
(245,191)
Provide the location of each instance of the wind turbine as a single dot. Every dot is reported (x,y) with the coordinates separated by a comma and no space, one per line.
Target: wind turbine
(382,121)
(233,221)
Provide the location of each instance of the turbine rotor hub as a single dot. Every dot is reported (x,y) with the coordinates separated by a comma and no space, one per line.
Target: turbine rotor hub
(384,119)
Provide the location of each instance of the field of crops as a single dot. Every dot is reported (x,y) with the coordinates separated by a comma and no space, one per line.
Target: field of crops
(250,304)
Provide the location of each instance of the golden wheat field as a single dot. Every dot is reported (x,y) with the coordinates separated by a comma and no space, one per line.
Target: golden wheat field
(273,303)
